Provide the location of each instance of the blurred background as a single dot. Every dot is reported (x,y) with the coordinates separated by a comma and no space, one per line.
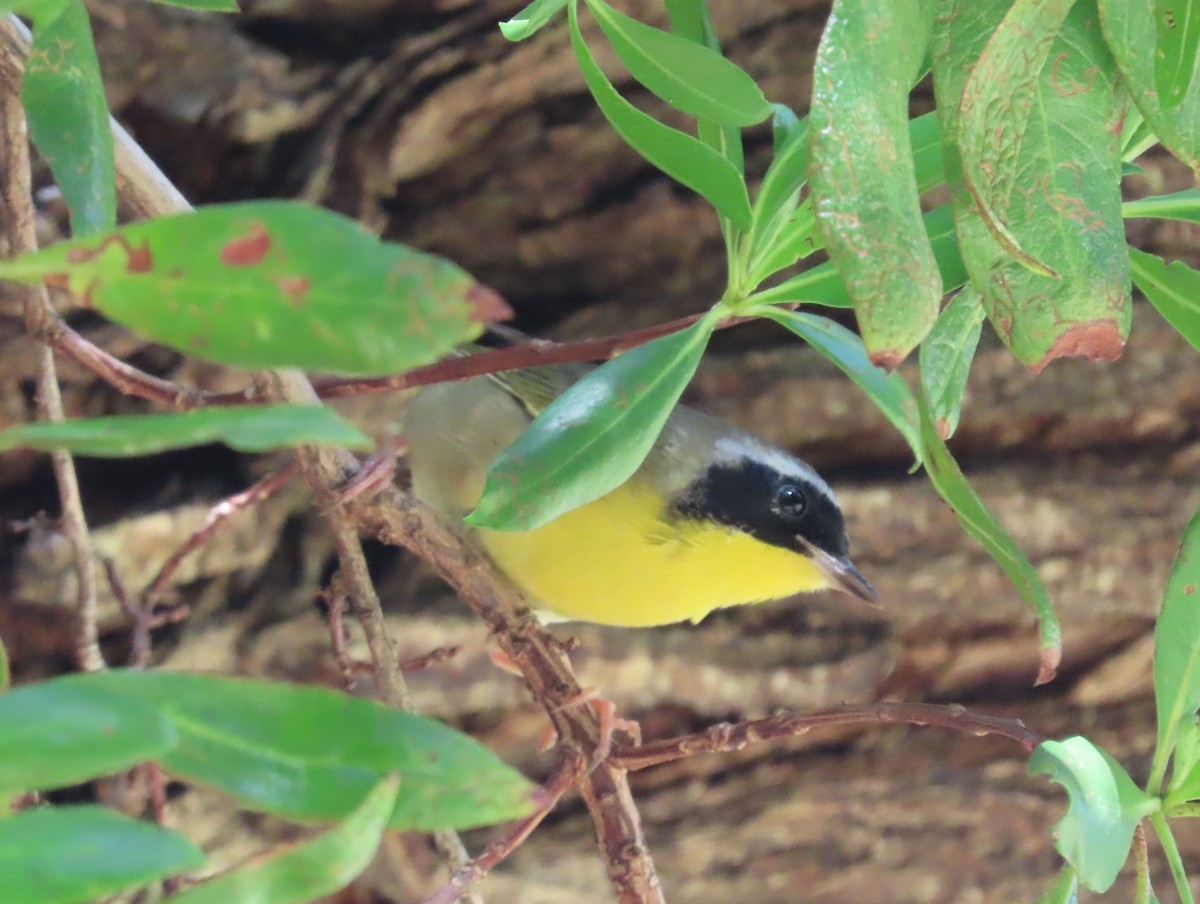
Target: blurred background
(419,119)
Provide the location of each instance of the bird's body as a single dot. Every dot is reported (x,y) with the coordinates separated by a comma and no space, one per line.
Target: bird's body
(696,528)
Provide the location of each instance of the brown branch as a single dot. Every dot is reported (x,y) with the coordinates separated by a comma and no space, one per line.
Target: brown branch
(565,774)
(399,519)
(326,470)
(20,236)
(218,515)
(727,736)
(534,353)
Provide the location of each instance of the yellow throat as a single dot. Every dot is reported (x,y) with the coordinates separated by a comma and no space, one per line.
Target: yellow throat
(616,561)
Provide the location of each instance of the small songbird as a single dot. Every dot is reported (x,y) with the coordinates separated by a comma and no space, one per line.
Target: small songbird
(713,517)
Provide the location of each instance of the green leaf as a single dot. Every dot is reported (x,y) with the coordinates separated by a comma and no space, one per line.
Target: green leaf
(271,284)
(63,96)
(1181,205)
(823,285)
(211,6)
(1105,807)
(687,75)
(1064,890)
(863,180)
(76,855)
(777,198)
(1131,33)
(310,753)
(946,356)
(889,392)
(1177,23)
(685,159)
(796,238)
(593,437)
(997,100)
(1055,186)
(786,127)
(531,19)
(1185,771)
(322,866)
(691,19)
(57,733)
(1177,649)
(1173,289)
(947,478)
(248,428)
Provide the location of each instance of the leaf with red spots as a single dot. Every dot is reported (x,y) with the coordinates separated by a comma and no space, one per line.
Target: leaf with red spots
(1031,108)
(272,284)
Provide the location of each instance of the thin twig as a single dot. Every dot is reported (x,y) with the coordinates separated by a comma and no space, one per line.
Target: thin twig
(327,470)
(397,518)
(565,774)
(1141,863)
(20,235)
(436,656)
(218,515)
(727,736)
(535,353)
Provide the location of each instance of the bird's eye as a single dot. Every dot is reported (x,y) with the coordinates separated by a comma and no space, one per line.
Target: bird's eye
(790,501)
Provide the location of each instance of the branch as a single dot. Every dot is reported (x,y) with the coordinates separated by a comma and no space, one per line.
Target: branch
(565,774)
(20,236)
(534,353)
(727,736)
(399,519)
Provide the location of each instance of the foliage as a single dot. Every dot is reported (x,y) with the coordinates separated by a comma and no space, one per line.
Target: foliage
(1031,136)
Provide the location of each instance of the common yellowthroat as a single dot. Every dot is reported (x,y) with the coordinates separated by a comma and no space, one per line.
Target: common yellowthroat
(713,518)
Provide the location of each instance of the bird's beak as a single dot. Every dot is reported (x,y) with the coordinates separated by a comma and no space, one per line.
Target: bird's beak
(842,573)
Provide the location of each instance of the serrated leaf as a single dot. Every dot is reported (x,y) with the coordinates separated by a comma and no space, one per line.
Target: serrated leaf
(247,428)
(1177,648)
(76,855)
(1177,23)
(947,478)
(685,159)
(322,866)
(862,177)
(270,284)
(593,437)
(57,733)
(889,392)
(1058,193)
(946,356)
(997,99)
(685,74)
(310,753)
(1132,35)
(1181,205)
(1105,807)
(532,18)
(1173,289)
(63,96)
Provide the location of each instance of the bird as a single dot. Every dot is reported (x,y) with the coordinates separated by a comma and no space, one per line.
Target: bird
(713,518)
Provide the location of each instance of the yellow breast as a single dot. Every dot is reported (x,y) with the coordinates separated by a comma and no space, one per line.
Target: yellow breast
(615,561)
